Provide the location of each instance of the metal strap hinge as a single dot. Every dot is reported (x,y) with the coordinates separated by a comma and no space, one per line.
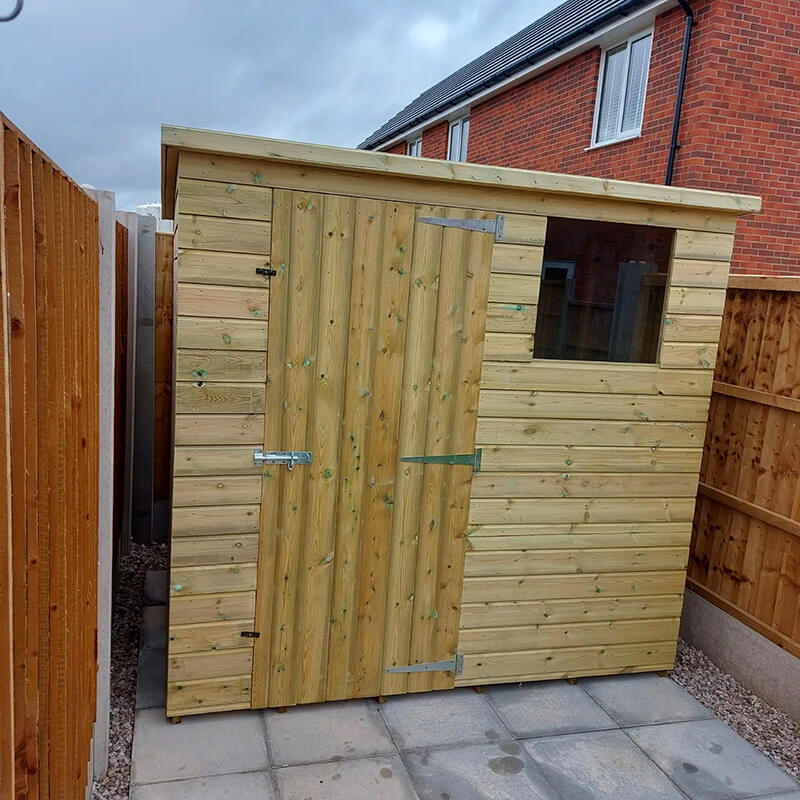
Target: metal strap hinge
(455,664)
(468,459)
(494,226)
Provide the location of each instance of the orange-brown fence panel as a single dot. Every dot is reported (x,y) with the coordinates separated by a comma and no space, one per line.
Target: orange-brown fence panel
(746,545)
(48,474)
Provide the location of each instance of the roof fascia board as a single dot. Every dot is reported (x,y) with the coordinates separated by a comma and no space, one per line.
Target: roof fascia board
(601,38)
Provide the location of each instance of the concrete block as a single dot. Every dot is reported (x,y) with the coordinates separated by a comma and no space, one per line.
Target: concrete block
(708,761)
(154,627)
(382,777)
(476,772)
(327,732)
(156,587)
(240,786)
(436,718)
(151,681)
(644,699)
(757,663)
(208,744)
(547,708)
(602,765)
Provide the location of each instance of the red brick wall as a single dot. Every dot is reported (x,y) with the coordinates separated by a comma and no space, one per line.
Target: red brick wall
(740,127)
(399,149)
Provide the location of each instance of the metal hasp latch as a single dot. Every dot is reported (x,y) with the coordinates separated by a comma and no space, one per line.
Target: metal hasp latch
(467,459)
(494,226)
(455,664)
(288,457)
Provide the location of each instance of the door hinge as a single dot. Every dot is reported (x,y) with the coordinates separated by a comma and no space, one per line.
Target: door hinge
(494,226)
(250,634)
(467,459)
(455,665)
(266,271)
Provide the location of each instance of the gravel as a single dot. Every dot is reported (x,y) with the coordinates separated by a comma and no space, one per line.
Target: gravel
(774,733)
(126,626)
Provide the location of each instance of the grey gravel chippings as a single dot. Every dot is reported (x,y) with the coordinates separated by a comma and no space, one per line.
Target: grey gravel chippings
(126,624)
(771,731)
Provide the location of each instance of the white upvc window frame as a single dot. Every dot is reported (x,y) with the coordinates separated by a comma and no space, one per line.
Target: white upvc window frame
(414,147)
(460,124)
(621,136)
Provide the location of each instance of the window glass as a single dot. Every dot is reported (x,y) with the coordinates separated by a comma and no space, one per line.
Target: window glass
(611,97)
(457,144)
(602,291)
(637,79)
(415,148)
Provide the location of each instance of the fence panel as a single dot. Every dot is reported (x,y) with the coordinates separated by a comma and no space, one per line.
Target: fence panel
(48,473)
(746,543)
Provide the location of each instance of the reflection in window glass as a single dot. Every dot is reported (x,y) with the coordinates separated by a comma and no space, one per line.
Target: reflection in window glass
(602,291)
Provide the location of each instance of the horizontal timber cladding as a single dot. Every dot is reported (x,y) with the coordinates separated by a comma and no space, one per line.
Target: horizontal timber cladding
(573,560)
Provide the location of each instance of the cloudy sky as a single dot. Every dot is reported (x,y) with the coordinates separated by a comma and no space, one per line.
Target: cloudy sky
(91,81)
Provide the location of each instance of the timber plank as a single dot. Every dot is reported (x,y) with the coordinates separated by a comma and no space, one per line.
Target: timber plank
(202,696)
(510,318)
(516,259)
(508,347)
(230,200)
(214,520)
(217,460)
(524,229)
(212,579)
(222,269)
(190,551)
(202,637)
(217,490)
(693,272)
(192,609)
(693,300)
(494,431)
(218,664)
(219,429)
(205,333)
(593,609)
(679,355)
(703,245)
(221,365)
(522,289)
(200,397)
(228,235)
(231,302)
(692,328)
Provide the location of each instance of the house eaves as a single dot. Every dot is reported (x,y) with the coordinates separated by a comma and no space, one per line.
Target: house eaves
(572,27)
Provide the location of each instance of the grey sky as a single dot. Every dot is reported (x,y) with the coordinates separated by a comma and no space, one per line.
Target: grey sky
(91,81)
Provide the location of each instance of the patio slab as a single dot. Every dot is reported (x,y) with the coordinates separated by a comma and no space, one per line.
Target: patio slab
(440,718)
(547,708)
(477,772)
(382,777)
(600,766)
(708,761)
(208,744)
(241,786)
(643,699)
(327,732)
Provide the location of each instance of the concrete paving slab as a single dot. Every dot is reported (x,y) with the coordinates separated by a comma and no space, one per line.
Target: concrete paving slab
(154,627)
(430,719)
(327,732)
(208,744)
(603,765)
(382,777)
(241,786)
(151,681)
(643,699)
(155,587)
(500,770)
(709,761)
(547,708)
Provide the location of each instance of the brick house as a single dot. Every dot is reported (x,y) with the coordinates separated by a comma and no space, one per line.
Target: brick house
(591,89)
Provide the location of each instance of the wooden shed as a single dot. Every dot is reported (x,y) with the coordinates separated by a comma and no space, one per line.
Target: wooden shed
(436,424)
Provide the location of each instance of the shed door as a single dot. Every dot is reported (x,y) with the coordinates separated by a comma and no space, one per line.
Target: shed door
(376,331)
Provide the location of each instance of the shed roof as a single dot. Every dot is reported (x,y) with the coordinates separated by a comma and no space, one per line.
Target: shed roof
(548,34)
(176,139)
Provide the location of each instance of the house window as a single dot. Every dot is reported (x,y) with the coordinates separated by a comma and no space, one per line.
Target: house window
(415,147)
(602,291)
(621,90)
(457,144)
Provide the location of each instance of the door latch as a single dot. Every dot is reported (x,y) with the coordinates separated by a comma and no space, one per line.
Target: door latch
(288,457)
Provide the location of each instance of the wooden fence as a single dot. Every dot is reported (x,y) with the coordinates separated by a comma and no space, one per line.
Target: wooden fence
(48,474)
(746,545)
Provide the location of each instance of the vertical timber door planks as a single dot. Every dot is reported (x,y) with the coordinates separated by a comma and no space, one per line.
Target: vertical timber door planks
(375,349)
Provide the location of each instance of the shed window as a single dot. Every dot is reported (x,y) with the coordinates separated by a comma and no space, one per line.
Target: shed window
(415,147)
(602,291)
(623,81)
(457,144)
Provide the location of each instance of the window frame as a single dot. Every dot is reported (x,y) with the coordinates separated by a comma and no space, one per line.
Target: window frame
(620,136)
(458,122)
(414,144)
